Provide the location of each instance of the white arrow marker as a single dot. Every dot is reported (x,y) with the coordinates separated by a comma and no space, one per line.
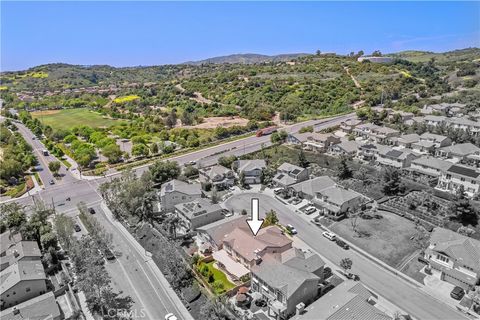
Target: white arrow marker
(255,223)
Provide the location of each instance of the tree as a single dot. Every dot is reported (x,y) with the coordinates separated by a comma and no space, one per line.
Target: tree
(214,310)
(145,211)
(12,216)
(270,219)
(302,160)
(171,119)
(241,179)
(279,137)
(112,152)
(163,171)
(154,148)
(462,209)
(190,171)
(227,161)
(140,149)
(354,222)
(376,53)
(64,229)
(344,171)
(346,264)
(391,182)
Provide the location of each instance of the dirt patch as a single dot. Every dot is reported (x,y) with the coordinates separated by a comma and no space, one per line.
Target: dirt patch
(214,122)
(45,112)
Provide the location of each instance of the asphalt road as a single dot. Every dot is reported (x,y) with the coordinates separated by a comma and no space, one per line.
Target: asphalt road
(414,301)
(43,161)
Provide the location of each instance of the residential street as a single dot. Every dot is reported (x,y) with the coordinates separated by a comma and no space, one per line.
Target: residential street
(407,297)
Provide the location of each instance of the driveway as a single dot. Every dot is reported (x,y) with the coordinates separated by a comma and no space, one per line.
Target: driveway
(405,295)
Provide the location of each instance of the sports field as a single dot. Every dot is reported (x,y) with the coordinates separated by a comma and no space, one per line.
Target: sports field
(68,118)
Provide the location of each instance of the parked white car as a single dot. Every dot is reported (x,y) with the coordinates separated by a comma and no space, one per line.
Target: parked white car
(310,210)
(329,235)
(291,229)
(277,190)
(170,316)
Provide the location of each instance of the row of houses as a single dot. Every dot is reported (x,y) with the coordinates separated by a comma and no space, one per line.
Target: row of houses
(24,292)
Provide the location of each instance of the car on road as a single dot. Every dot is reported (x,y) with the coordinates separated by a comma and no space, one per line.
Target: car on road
(352,276)
(291,229)
(170,316)
(295,201)
(52,182)
(190,163)
(342,244)
(329,235)
(91,210)
(77,228)
(232,188)
(310,210)
(227,213)
(457,293)
(33,138)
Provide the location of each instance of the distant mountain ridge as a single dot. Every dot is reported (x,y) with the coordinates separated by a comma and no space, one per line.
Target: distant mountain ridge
(248,58)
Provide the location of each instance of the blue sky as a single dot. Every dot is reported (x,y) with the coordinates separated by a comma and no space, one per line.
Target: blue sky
(152,33)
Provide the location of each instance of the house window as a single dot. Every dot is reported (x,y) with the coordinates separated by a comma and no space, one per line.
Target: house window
(462,179)
(442,258)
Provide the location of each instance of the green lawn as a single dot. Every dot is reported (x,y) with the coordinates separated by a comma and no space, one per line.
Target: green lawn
(218,278)
(68,118)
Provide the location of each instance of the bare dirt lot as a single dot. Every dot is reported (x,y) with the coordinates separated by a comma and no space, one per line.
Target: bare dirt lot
(213,122)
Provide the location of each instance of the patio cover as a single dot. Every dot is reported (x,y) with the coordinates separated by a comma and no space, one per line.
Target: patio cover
(233,267)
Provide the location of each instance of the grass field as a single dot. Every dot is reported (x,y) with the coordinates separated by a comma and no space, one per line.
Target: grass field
(126,99)
(219,277)
(68,118)
(388,238)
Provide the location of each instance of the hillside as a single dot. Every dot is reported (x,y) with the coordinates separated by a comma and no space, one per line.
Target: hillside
(248,58)
(302,87)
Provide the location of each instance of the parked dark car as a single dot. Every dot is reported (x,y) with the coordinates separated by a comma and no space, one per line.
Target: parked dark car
(91,210)
(342,244)
(260,303)
(457,293)
(109,255)
(352,276)
(77,228)
(422,259)
(327,272)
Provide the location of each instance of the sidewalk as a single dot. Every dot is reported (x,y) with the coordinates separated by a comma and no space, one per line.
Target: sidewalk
(182,310)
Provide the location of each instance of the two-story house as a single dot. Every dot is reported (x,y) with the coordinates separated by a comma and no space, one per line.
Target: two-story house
(405,140)
(369,151)
(251,170)
(176,191)
(287,279)
(395,158)
(455,256)
(336,202)
(429,166)
(349,125)
(43,307)
(347,149)
(219,176)
(308,189)
(434,121)
(320,142)
(473,127)
(457,152)
(288,174)
(23,250)
(198,213)
(459,175)
(21,281)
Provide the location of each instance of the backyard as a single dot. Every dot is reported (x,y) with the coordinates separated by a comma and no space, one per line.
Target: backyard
(391,238)
(68,118)
(216,278)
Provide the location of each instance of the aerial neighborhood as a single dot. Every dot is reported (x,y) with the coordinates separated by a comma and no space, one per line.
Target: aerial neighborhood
(150,184)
